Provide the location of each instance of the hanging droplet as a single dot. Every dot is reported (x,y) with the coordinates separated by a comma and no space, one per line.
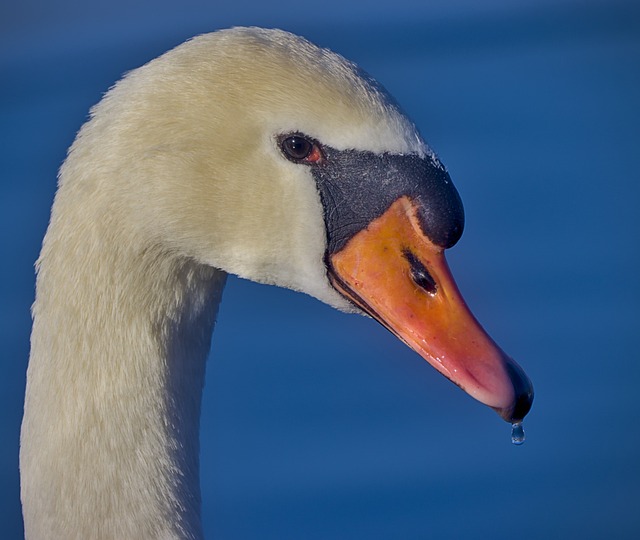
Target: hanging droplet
(517,433)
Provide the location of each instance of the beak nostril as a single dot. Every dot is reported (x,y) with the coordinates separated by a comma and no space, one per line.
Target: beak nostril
(419,273)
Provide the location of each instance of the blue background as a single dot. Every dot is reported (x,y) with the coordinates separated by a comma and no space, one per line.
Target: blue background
(321,425)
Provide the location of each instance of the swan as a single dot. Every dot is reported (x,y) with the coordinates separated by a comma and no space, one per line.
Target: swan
(244,151)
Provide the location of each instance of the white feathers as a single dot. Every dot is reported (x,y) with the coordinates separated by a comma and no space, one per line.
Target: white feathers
(175,180)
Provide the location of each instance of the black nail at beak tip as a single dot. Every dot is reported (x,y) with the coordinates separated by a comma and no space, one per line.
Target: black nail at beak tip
(523,394)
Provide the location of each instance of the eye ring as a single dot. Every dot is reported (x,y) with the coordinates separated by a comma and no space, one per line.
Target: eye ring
(299,148)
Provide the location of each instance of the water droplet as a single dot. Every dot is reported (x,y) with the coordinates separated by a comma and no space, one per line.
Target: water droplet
(517,433)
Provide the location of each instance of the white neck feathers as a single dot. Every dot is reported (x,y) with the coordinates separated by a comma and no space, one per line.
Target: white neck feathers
(110,434)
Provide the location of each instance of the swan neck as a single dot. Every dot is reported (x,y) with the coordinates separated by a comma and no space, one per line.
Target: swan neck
(110,432)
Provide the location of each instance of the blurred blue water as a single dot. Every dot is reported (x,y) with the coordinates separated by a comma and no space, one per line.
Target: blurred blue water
(322,425)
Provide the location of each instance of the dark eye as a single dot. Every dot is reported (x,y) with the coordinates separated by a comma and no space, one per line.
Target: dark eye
(300,149)
(296,147)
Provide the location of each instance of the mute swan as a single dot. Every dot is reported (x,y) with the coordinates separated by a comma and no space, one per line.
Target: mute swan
(247,151)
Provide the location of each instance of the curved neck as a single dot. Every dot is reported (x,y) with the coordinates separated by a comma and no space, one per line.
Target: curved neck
(110,432)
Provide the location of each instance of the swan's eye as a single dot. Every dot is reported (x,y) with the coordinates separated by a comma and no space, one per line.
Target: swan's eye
(300,149)
(297,148)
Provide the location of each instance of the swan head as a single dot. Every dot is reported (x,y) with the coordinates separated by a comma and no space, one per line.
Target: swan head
(258,153)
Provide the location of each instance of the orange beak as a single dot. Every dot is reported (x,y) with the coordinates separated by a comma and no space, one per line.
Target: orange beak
(393,272)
